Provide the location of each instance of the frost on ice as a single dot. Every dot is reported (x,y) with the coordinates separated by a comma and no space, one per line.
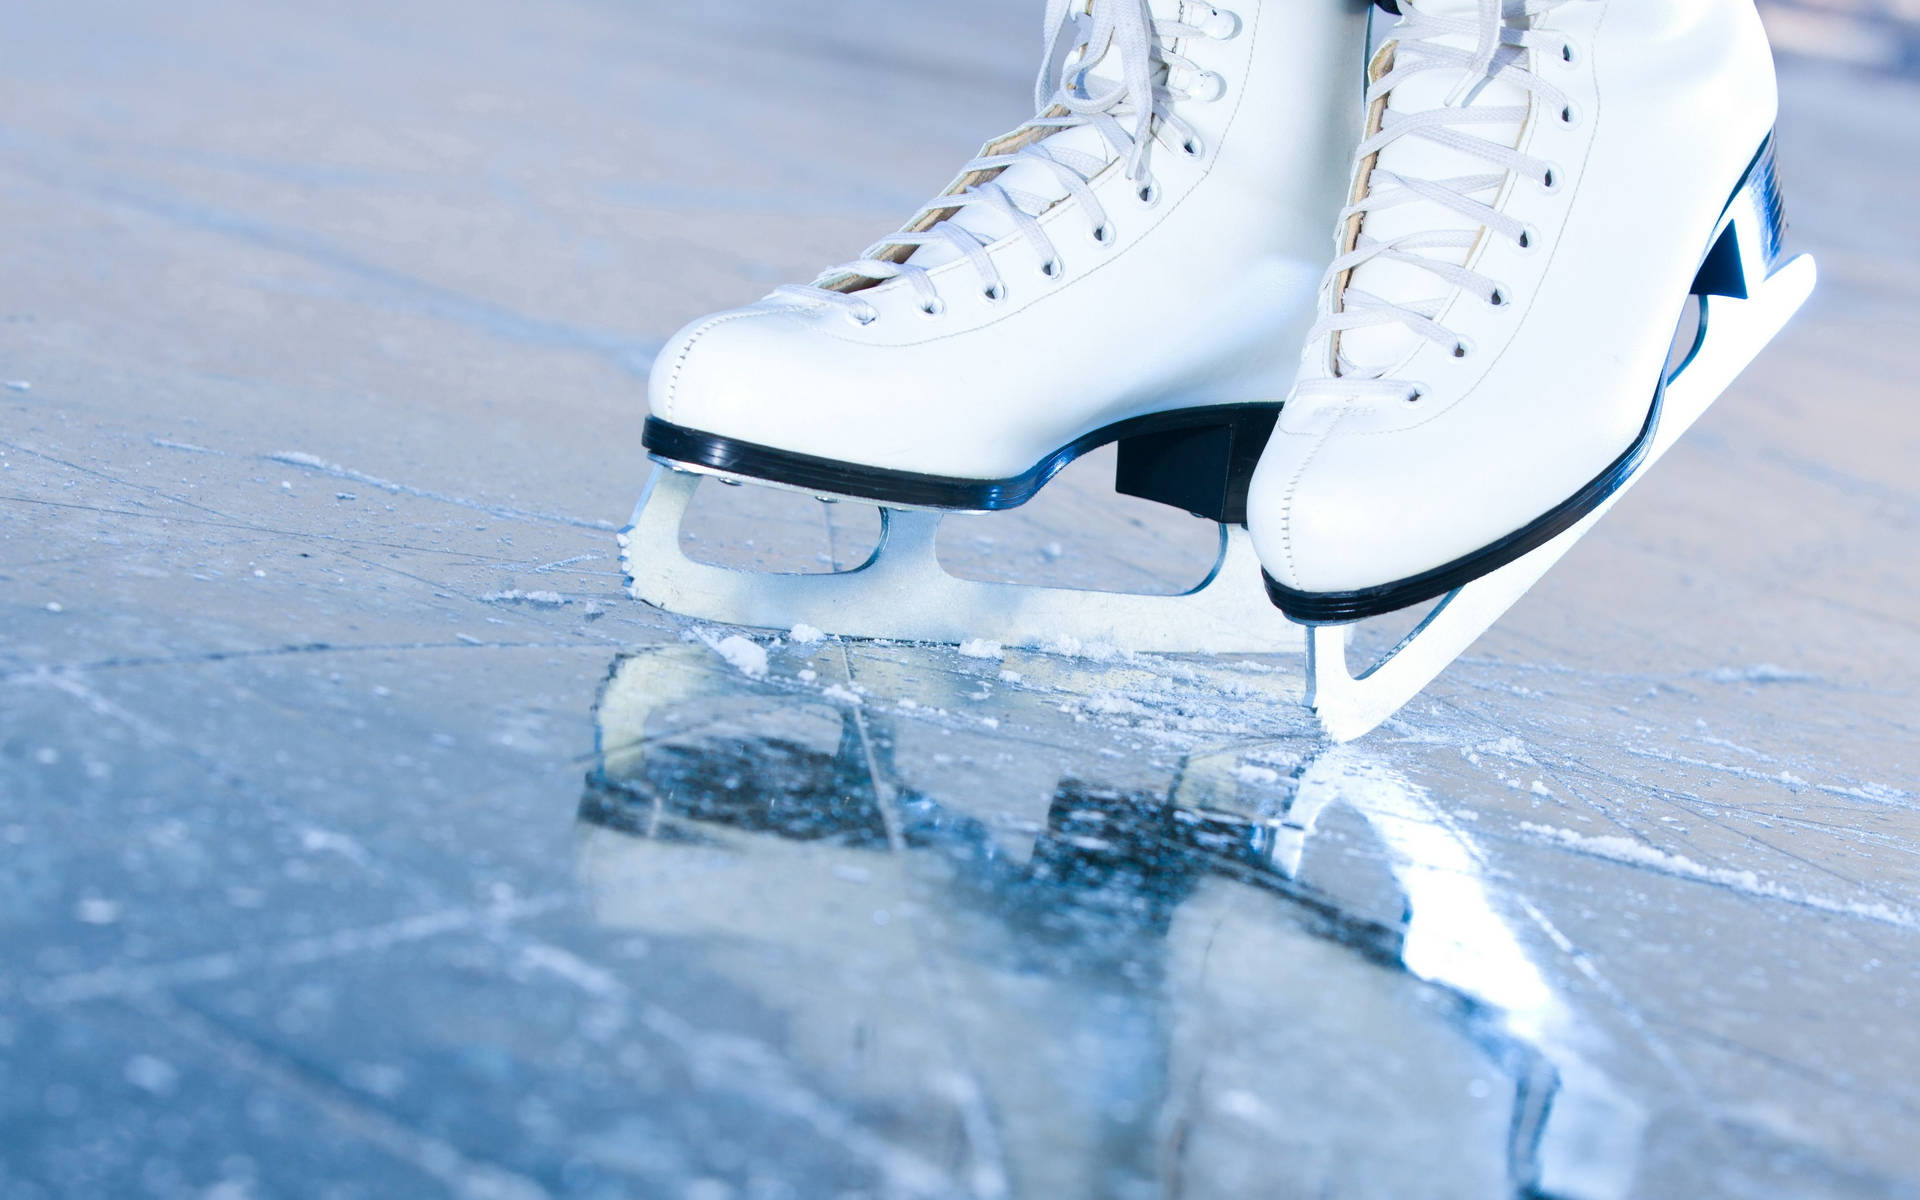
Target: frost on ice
(515,596)
(748,657)
(1758,673)
(1638,854)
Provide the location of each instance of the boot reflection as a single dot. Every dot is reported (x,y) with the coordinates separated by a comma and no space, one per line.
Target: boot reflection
(1063,988)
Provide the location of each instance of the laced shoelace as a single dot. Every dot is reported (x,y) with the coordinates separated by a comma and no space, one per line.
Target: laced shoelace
(1503,38)
(1131,114)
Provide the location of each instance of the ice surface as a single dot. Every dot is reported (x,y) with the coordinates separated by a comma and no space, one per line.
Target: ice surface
(360,836)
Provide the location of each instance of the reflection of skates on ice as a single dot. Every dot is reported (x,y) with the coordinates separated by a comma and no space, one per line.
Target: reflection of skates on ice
(861,887)
(1538,197)
(1136,265)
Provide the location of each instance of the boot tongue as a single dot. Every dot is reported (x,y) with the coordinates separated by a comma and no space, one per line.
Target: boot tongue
(1034,187)
(1378,349)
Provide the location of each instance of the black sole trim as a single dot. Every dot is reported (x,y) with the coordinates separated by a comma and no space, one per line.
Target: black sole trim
(1198,459)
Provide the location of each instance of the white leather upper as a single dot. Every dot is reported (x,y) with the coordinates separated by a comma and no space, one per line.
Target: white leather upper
(1672,99)
(1200,296)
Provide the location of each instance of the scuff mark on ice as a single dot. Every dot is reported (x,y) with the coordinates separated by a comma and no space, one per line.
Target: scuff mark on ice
(516,596)
(312,462)
(1638,854)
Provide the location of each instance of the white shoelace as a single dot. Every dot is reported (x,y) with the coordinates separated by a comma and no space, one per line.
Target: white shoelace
(1130,114)
(1503,37)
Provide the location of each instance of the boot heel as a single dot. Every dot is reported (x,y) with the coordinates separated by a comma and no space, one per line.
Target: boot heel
(1751,243)
(1202,464)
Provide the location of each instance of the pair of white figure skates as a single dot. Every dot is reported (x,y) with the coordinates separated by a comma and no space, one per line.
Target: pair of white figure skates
(1525,194)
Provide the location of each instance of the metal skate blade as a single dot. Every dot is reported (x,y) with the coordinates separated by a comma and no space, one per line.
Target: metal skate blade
(1350,705)
(902,593)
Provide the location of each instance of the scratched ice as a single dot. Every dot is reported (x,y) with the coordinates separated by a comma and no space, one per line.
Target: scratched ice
(360,837)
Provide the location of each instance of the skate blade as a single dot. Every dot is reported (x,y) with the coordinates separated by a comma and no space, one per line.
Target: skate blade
(902,593)
(1733,334)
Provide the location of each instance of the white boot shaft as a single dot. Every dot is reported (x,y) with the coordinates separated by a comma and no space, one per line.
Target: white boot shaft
(1523,236)
(1073,277)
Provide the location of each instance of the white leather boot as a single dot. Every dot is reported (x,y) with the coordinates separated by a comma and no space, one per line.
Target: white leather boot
(1136,264)
(1541,185)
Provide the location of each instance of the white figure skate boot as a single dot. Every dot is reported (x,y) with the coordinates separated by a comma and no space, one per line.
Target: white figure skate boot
(1137,264)
(1542,186)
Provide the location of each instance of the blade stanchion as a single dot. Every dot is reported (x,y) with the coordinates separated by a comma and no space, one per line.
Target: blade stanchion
(902,593)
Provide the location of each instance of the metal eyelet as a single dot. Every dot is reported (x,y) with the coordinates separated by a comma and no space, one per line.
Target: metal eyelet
(1550,180)
(1529,239)
(1148,194)
(1569,116)
(1498,299)
(1416,392)
(1221,26)
(1052,268)
(933,307)
(1462,348)
(1103,234)
(1193,147)
(1207,87)
(863,316)
(1569,53)
(994,293)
